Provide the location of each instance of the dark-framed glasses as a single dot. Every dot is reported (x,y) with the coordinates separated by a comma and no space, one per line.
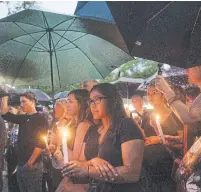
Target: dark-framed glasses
(96,100)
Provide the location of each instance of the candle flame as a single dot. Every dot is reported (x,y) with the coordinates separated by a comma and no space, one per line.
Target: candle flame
(157,117)
(65,133)
(45,138)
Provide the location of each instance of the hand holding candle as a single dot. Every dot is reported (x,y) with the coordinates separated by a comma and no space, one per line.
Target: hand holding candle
(160,129)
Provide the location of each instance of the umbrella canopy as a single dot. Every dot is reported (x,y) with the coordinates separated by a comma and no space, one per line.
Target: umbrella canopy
(127,86)
(95,10)
(167,32)
(180,80)
(42,48)
(41,96)
(61,95)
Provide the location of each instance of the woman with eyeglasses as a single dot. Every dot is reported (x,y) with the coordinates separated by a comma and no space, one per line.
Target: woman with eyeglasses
(158,159)
(113,148)
(76,108)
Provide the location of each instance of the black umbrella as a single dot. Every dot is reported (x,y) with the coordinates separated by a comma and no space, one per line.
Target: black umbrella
(60,95)
(41,96)
(127,86)
(167,32)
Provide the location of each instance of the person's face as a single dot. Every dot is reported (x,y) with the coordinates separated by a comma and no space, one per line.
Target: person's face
(98,105)
(154,97)
(26,104)
(88,85)
(137,102)
(194,75)
(72,106)
(60,110)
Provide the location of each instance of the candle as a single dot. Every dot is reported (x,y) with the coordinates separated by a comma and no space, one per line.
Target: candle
(46,143)
(65,148)
(160,129)
(47,146)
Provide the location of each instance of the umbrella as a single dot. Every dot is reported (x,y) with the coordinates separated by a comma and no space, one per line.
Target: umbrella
(180,79)
(13,97)
(127,86)
(43,48)
(61,95)
(167,32)
(41,96)
(94,10)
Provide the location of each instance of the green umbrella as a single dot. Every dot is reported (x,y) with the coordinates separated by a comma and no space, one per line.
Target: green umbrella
(43,48)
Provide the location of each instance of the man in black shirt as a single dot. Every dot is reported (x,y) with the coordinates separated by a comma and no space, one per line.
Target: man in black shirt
(32,127)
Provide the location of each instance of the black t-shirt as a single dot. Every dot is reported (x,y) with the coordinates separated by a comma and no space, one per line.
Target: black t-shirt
(110,149)
(32,128)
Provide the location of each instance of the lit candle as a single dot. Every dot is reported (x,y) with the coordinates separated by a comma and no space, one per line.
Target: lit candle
(47,146)
(46,143)
(160,129)
(65,148)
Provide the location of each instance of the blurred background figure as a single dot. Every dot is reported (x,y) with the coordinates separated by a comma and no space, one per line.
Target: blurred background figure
(138,106)
(192,91)
(11,152)
(138,102)
(88,85)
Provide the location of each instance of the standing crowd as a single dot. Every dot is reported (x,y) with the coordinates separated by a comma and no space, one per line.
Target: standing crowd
(110,149)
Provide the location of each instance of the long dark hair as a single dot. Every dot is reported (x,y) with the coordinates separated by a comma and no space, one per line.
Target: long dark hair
(82,97)
(115,105)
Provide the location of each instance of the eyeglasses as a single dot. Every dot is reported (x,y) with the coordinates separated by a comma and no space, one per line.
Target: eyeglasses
(96,100)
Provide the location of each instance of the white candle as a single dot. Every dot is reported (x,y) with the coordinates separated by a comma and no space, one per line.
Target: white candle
(46,143)
(160,129)
(65,147)
(47,146)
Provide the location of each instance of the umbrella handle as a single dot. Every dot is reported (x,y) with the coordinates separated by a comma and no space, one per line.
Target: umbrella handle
(160,72)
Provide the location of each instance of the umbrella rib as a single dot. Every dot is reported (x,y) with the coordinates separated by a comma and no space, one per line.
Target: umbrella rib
(65,32)
(63,22)
(22,23)
(56,63)
(72,41)
(66,49)
(195,22)
(158,13)
(84,54)
(155,15)
(45,19)
(28,45)
(20,36)
(31,36)
(25,59)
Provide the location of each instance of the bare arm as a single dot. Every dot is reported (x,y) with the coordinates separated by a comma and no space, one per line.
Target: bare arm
(82,155)
(132,155)
(36,153)
(4,105)
(179,108)
(78,151)
(182,111)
